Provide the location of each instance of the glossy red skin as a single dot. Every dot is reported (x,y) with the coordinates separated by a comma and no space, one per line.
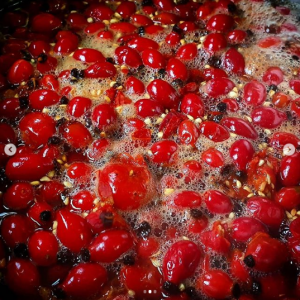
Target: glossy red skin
(164,93)
(148,108)
(269,254)
(134,85)
(88,55)
(77,135)
(216,284)
(50,192)
(43,98)
(147,247)
(295,107)
(220,22)
(289,170)
(123,28)
(214,42)
(236,36)
(170,123)
(214,131)
(18,196)
(98,148)
(100,70)
(140,278)
(45,23)
(76,21)
(126,9)
(217,87)
(36,128)
(72,231)
(243,228)
(293,246)
(7,134)
(172,39)
(241,152)
(48,66)
(177,69)
(16,229)
(141,43)
(105,35)
(280,139)
(234,61)
(238,268)
(274,285)
(217,202)
(110,245)
(94,27)
(78,106)
(197,226)
(20,71)
(99,12)
(273,75)
(140,20)
(267,211)
(213,158)
(22,277)
(205,10)
(268,117)
(295,85)
(128,56)
(28,167)
(79,171)
(288,197)
(192,105)
(254,93)
(38,47)
(84,280)
(66,44)
(10,108)
(186,199)
(180,261)
(128,191)
(281,100)
(188,133)
(187,51)
(240,127)
(153,59)
(49,82)
(191,170)
(104,115)
(34,213)
(43,248)
(83,200)
(163,151)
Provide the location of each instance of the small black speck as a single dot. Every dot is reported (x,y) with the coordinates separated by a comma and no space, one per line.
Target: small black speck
(226,170)
(191,292)
(26,55)
(24,102)
(54,140)
(272,87)
(249,261)
(218,118)
(273,29)
(85,255)
(141,30)
(162,72)
(256,288)
(221,107)
(21,251)
(141,67)
(177,29)
(196,213)
(128,260)
(231,7)
(214,61)
(110,60)
(65,256)
(241,175)
(74,73)
(64,100)
(81,74)
(42,58)
(171,288)
(73,81)
(45,215)
(249,33)
(177,82)
(289,115)
(236,291)
(144,229)
(147,3)
(59,293)
(295,57)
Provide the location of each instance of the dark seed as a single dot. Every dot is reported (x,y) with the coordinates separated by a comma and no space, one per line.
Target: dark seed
(24,102)
(295,57)
(64,100)
(26,55)
(214,62)
(88,122)
(196,213)
(236,291)
(144,229)
(249,32)
(217,118)
(54,140)
(256,288)
(81,74)
(42,58)
(141,30)
(221,107)
(4,181)
(65,256)
(45,216)
(289,115)
(61,121)
(107,219)
(177,82)
(249,261)
(241,174)
(231,7)
(273,29)
(74,73)
(85,255)
(21,251)
(181,2)
(272,87)
(147,3)
(177,29)
(226,170)
(31,83)
(128,260)
(162,72)
(171,288)
(141,67)
(59,293)
(110,60)
(191,292)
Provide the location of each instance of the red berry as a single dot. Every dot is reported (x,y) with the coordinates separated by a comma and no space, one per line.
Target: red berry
(187,51)
(295,227)
(67,42)
(238,268)
(273,75)
(28,167)
(294,85)
(104,115)
(243,228)
(72,231)
(99,12)
(16,229)
(50,192)
(140,20)
(217,87)
(241,153)
(22,277)
(192,105)
(43,248)
(216,284)
(172,39)
(240,127)
(163,151)
(76,21)
(280,139)
(217,202)
(267,211)
(234,61)
(205,10)
(18,196)
(41,214)
(134,86)
(274,285)
(10,108)
(236,36)
(288,197)
(45,23)
(105,35)
(20,71)
(269,254)
(83,200)
(289,170)
(140,44)
(188,133)
(43,98)
(88,55)
(48,66)
(94,28)
(78,106)
(220,22)
(77,135)
(110,245)
(128,56)
(281,100)
(181,261)
(254,93)
(84,281)
(100,70)
(7,134)
(38,47)
(213,158)
(177,69)
(295,107)
(126,9)
(153,59)
(49,82)
(79,171)
(164,93)
(98,148)
(214,42)
(124,28)
(185,199)
(148,108)
(268,117)
(214,131)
